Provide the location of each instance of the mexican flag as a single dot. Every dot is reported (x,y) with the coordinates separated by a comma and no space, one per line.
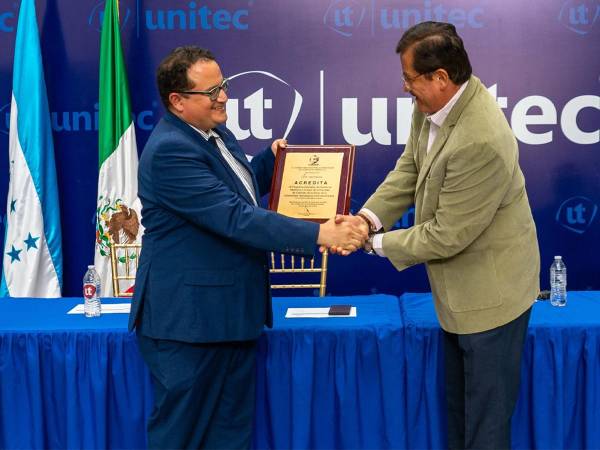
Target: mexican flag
(118,207)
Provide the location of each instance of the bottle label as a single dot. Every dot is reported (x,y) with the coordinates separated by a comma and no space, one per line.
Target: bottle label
(89,290)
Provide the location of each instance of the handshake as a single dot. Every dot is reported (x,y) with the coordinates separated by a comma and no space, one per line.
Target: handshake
(343,234)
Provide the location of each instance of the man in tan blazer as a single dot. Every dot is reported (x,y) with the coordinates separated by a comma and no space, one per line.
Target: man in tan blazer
(473,230)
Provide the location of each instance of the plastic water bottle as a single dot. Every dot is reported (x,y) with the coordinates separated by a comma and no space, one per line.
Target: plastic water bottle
(91,293)
(558,282)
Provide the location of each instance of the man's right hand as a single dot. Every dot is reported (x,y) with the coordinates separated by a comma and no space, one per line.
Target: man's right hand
(344,234)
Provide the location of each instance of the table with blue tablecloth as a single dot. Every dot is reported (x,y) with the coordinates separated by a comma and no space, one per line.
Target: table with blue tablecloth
(559,399)
(374,382)
(71,382)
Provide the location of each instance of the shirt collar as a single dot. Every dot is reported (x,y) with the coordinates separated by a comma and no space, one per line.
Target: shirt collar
(206,134)
(439,117)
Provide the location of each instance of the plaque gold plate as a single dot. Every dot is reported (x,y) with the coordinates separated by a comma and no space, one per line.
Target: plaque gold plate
(312,182)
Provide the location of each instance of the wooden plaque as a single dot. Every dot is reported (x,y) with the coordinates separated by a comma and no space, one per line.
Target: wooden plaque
(312,182)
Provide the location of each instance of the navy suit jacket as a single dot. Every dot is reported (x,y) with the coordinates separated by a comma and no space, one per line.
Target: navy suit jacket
(203,273)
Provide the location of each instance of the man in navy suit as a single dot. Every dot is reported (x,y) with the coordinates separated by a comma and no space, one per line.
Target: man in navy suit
(202,291)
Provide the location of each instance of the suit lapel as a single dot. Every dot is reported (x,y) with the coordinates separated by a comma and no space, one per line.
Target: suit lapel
(240,156)
(436,147)
(446,129)
(185,128)
(422,143)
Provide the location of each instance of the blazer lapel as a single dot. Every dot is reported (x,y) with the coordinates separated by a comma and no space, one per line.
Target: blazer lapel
(446,129)
(436,147)
(185,128)
(422,143)
(237,152)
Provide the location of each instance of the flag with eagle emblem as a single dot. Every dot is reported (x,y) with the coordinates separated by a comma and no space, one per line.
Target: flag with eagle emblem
(118,207)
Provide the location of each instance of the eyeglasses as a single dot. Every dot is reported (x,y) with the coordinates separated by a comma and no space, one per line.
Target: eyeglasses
(410,80)
(213,93)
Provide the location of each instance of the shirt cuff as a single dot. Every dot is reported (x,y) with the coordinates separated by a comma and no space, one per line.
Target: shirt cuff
(374,219)
(378,244)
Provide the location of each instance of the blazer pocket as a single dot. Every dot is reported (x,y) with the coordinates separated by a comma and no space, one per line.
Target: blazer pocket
(472,282)
(209,278)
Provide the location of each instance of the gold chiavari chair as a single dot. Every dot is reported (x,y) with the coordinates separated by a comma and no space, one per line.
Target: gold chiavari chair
(124,259)
(304,269)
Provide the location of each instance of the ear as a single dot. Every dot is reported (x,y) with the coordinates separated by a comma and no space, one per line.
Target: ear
(442,77)
(175,100)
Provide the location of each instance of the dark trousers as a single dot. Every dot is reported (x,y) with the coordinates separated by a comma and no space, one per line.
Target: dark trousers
(203,394)
(482,384)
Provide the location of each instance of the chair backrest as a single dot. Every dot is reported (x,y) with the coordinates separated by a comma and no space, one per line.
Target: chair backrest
(124,260)
(301,268)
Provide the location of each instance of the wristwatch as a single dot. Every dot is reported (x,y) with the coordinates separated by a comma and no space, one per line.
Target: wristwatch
(368,247)
(371,225)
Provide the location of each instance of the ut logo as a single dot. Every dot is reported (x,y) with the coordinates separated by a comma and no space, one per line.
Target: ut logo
(576,214)
(97,16)
(89,290)
(254,115)
(7,21)
(580,15)
(344,15)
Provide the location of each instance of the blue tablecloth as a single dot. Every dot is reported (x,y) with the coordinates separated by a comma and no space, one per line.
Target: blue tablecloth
(71,382)
(375,381)
(559,400)
(67,381)
(332,383)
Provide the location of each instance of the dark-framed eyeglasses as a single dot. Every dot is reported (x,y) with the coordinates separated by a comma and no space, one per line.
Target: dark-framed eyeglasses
(406,79)
(213,93)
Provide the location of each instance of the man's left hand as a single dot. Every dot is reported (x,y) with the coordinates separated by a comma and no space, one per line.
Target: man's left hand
(278,143)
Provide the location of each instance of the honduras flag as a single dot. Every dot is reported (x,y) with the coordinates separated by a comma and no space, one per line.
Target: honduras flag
(32,257)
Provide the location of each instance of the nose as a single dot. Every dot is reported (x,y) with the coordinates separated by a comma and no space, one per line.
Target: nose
(405,86)
(222,96)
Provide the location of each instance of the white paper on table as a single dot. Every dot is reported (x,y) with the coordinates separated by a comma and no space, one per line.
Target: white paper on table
(108,308)
(314,313)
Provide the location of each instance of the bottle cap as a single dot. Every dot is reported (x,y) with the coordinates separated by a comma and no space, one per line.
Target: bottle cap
(558,257)
(91,266)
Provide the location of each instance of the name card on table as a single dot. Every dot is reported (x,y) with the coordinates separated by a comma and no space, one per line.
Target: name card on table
(107,308)
(314,313)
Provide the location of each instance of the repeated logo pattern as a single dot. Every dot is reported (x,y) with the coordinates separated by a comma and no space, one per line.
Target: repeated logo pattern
(347,17)
(577,214)
(580,16)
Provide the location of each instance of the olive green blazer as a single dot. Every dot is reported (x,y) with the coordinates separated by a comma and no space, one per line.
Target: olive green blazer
(473,224)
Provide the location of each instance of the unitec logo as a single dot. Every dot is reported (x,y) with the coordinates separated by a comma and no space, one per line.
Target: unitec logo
(577,214)
(67,121)
(580,15)
(194,17)
(345,16)
(257,101)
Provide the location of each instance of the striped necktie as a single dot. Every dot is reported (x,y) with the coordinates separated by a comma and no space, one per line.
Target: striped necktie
(238,168)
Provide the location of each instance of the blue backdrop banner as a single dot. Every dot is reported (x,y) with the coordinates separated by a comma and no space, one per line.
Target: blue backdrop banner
(325,71)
